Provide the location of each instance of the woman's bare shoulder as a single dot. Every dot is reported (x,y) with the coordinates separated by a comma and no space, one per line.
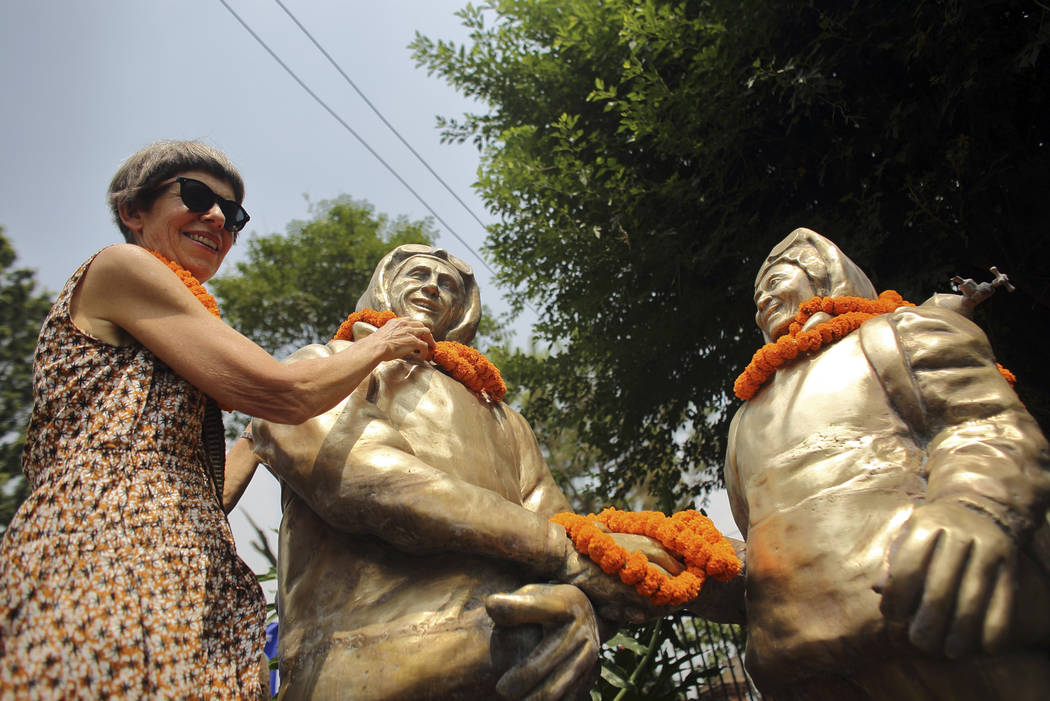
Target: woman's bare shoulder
(124,258)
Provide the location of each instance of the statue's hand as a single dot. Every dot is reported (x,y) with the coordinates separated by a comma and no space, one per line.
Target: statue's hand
(653,550)
(614,600)
(723,602)
(564,663)
(951,576)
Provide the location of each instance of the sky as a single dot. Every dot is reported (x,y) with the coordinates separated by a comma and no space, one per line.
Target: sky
(85,83)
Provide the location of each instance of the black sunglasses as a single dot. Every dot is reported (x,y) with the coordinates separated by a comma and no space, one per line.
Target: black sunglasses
(198,197)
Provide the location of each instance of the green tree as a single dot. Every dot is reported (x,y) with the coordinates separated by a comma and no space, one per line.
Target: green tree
(22,310)
(296,288)
(643,155)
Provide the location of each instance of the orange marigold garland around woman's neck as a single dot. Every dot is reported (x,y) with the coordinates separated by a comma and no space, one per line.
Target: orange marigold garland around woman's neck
(848,313)
(192,283)
(688,534)
(460,361)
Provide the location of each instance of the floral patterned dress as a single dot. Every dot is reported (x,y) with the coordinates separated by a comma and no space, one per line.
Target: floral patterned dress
(118,575)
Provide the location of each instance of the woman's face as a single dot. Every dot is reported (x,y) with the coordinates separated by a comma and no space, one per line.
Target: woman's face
(195,240)
(781,292)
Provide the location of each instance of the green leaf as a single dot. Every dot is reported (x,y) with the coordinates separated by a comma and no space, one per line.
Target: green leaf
(621,640)
(615,676)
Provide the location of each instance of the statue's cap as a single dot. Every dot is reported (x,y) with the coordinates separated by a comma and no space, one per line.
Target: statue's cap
(832,271)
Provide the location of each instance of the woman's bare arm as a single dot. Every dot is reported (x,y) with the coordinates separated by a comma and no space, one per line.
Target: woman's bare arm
(130,289)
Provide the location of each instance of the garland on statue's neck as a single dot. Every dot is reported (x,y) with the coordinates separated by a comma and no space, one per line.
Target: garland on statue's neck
(191,283)
(459,361)
(689,535)
(848,313)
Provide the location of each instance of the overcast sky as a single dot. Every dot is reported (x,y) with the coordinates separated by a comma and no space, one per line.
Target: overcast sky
(85,83)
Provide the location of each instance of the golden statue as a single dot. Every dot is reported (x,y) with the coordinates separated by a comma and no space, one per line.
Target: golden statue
(416,557)
(892,490)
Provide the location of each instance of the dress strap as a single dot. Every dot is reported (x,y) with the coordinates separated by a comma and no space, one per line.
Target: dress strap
(213,444)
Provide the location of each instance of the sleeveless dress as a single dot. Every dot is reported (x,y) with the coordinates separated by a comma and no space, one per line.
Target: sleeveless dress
(118,576)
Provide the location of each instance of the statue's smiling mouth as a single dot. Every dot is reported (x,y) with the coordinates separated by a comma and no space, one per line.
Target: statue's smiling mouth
(425,303)
(770,310)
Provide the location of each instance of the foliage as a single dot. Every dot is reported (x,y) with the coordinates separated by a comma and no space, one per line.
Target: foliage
(671,657)
(22,309)
(644,155)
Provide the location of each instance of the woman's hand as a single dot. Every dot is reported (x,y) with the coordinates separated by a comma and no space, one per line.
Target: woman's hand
(401,338)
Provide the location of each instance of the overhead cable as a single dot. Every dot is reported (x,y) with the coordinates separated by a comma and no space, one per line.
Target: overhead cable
(379,114)
(357,136)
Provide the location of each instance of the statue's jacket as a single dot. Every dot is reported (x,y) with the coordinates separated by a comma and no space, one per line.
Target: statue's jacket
(404,507)
(830,458)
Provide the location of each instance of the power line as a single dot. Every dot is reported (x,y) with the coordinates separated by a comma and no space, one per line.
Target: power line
(379,114)
(357,136)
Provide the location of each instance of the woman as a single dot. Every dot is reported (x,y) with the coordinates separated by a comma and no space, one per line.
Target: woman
(118,575)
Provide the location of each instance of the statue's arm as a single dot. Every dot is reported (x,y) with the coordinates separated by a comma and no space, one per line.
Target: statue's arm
(952,571)
(984,450)
(539,492)
(723,602)
(734,487)
(357,472)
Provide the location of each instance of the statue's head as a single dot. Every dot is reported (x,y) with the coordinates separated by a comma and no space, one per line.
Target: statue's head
(803,265)
(430,285)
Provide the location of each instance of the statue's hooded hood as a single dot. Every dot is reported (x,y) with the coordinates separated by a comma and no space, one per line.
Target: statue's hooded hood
(377,295)
(832,272)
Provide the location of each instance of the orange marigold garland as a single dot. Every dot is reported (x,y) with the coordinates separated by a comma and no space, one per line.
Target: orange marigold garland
(688,534)
(192,283)
(1011,379)
(369,316)
(461,362)
(848,313)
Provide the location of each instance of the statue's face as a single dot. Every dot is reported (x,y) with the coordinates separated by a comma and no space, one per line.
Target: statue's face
(430,291)
(779,294)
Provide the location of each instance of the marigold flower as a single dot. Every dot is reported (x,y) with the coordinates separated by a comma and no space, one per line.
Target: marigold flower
(191,282)
(689,534)
(461,362)
(848,313)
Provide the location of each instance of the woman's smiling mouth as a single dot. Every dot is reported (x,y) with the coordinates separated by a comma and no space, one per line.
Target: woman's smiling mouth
(203,239)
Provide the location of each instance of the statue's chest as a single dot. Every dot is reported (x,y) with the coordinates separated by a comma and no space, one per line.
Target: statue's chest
(829,404)
(451,429)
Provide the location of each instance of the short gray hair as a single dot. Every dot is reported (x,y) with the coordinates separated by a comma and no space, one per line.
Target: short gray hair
(134,187)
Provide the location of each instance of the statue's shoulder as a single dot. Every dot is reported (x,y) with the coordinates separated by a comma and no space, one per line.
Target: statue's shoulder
(919,354)
(930,318)
(921,334)
(317,350)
